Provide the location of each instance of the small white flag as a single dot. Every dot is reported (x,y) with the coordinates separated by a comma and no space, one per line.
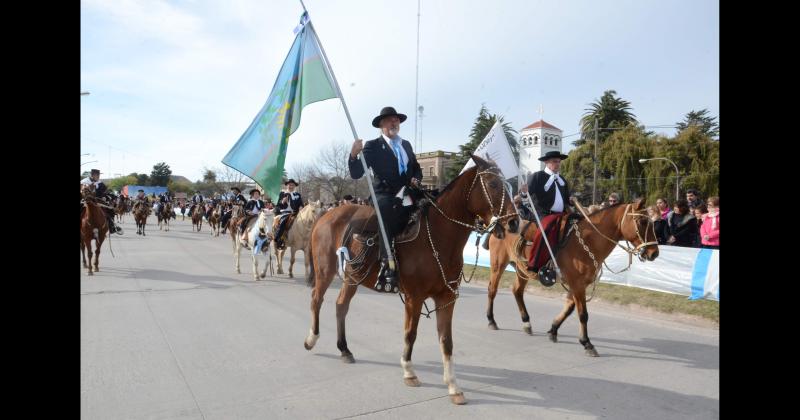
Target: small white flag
(495,147)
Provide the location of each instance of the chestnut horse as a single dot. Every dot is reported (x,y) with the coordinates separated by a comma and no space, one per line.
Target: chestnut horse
(164,215)
(213,219)
(141,209)
(430,265)
(600,232)
(93,226)
(197,216)
(299,236)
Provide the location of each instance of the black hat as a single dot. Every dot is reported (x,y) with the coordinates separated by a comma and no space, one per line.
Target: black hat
(387,112)
(291,181)
(140,191)
(95,171)
(552,154)
(348,197)
(254,190)
(236,188)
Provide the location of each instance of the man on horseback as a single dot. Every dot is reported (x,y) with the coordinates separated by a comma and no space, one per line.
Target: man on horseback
(550,195)
(395,166)
(197,198)
(101,192)
(252,208)
(289,203)
(239,199)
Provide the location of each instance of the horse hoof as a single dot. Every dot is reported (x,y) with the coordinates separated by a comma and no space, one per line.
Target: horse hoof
(553,337)
(458,399)
(348,358)
(291,276)
(90,273)
(528,330)
(592,353)
(413,381)
(238,271)
(492,326)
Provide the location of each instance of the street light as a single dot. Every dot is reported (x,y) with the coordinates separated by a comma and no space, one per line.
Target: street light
(677,174)
(84,93)
(91,161)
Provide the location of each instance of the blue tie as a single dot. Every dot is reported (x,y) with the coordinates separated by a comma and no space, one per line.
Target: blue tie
(401,166)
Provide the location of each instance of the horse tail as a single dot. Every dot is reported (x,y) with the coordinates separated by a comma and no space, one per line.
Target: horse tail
(310,256)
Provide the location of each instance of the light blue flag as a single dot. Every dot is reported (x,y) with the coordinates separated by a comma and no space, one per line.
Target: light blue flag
(304,78)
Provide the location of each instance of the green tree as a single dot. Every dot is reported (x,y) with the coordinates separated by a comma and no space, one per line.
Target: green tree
(116,184)
(705,123)
(160,175)
(483,123)
(142,179)
(180,186)
(610,112)
(209,176)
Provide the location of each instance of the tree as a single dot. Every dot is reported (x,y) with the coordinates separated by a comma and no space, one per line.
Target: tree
(610,112)
(479,130)
(231,177)
(706,123)
(116,184)
(160,175)
(209,176)
(85,174)
(142,179)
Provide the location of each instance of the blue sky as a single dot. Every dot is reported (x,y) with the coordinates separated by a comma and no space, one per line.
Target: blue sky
(180,81)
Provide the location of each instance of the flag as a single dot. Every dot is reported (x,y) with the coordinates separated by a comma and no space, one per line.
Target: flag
(495,147)
(304,78)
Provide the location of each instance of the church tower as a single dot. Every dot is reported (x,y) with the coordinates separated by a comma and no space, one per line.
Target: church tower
(535,140)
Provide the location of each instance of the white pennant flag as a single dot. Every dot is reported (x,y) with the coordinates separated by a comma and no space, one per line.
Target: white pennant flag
(495,147)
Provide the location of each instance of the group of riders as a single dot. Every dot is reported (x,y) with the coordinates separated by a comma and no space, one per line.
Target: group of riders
(289,204)
(395,168)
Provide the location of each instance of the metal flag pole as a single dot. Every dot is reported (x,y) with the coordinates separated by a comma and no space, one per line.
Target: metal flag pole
(392,263)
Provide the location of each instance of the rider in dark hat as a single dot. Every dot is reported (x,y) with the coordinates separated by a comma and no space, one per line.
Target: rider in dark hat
(101,192)
(238,198)
(550,195)
(289,203)
(395,166)
(252,208)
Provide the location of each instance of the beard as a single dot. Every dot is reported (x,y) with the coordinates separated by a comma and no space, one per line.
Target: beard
(393,131)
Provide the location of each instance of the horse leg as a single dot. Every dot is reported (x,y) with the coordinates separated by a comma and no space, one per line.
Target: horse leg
(583,316)
(88,244)
(291,261)
(569,306)
(83,254)
(444,324)
(98,243)
(519,292)
(279,256)
(342,306)
(498,260)
(236,248)
(413,308)
(324,271)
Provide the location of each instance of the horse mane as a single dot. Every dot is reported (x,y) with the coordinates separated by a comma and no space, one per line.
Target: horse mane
(306,213)
(605,208)
(451,185)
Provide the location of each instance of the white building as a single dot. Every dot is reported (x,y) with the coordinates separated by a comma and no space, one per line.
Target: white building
(534,141)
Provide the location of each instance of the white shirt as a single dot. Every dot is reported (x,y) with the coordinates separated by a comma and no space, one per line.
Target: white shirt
(402,149)
(88,180)
(558,203)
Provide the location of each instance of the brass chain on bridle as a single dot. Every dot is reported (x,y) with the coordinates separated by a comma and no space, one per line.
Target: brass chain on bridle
(479,228)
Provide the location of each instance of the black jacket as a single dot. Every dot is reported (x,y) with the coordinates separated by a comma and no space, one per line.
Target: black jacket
(295,205)
(239,199)
(544,200)
(684,228)
(253,205)
(380,157)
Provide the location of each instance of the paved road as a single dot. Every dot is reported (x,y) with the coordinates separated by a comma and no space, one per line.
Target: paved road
(169,331)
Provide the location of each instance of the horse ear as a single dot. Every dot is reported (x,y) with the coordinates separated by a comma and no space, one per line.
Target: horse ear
(480,162)
(638,204)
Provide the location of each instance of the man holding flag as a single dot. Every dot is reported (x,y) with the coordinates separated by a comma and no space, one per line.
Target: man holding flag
(395,166)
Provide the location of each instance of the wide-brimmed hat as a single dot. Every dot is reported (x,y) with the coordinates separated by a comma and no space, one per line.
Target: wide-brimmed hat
(236,188)
(95,171)
(348,197)
(553,154)
(387,112)
(291,181)
(254,190)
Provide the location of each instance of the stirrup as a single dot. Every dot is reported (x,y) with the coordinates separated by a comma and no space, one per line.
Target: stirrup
(387,280)
(547,276)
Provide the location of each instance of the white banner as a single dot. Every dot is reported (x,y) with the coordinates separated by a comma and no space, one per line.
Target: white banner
(495,147)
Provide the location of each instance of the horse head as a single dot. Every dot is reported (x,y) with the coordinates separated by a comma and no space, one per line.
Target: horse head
(639,230)
(489,198)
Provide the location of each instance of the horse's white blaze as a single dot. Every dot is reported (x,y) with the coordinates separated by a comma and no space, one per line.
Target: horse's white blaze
(408,368)
(312,338)
(449,376)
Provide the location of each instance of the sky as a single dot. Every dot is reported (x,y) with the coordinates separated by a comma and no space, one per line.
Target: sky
(180,81)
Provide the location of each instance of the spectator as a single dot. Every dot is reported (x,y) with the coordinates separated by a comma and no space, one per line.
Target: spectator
(709,231)
(699,214)
(659,224)
(693,197)
(613,199)
(682,225)
(663,207)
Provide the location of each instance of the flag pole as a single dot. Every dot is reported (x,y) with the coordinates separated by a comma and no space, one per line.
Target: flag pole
(392,263)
